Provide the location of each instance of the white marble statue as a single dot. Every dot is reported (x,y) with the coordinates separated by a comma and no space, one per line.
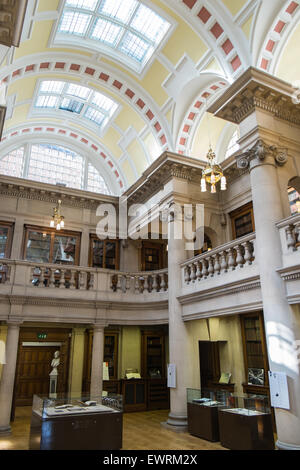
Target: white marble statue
(55,363)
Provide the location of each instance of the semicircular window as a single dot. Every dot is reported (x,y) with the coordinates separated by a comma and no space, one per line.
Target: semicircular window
(77,99)
(131,30)
(53,164)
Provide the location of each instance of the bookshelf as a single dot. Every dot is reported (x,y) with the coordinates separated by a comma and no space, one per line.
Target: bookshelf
(255,356)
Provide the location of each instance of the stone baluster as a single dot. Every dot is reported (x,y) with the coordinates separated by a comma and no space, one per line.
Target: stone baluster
(82,280)
(290,238)
(239,256)
(62,279)
(146,284)
(51,280)
(231,259)
(204,269)
(154,283)
(198,271)
(224,264)
(72,280)
(91,281)
(217,265)
(137,284)
(187,275)
(126,283)
(248,252)
(211,266)
(193,272)
(163,282)
(41,278)
(297,234)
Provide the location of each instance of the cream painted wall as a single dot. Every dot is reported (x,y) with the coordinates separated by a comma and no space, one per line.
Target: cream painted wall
(76,362)
(231,354)
(3,333)
(130,349)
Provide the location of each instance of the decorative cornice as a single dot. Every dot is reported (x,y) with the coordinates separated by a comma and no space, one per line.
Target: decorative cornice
(167,166)
(290,273)
(257,90)
(259,154)
(24,189)
(225,289)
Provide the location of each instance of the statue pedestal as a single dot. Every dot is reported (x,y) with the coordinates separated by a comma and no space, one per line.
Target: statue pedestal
(53,384)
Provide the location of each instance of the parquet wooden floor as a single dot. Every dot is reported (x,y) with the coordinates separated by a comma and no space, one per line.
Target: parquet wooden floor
(141,431)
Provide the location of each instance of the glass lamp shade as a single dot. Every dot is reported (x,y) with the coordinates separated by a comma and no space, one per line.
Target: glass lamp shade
(52,223)
(62,223)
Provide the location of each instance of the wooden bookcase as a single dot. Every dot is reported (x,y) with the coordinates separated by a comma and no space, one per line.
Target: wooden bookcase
(104,253)
(153,255)
(46,245)
(242,221)
(255,354)
(153,368)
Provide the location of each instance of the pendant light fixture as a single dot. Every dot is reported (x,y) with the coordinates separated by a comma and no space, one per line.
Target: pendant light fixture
(57,221)
(213,173)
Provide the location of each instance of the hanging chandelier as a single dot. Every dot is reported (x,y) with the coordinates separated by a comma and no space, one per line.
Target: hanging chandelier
(57,221)
(212,174)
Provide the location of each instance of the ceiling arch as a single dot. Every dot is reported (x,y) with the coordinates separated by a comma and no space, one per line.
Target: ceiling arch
(101,158)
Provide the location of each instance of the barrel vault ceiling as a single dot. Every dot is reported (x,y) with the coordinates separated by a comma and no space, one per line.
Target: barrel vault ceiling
(154,100)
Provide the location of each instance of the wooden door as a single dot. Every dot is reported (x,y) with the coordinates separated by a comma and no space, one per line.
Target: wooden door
(34,367)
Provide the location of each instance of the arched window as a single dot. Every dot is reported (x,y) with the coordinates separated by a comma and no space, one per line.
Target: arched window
(53,164)
(127,28)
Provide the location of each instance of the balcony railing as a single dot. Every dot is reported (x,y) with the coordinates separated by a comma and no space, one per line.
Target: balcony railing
(290,234)
(53,276)
(232,256)
(139,283)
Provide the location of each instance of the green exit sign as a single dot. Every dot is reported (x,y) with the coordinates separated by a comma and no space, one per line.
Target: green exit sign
(42,335)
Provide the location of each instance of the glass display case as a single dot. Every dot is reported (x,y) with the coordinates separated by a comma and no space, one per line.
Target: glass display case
(245,423)
(203,406)
(70,423)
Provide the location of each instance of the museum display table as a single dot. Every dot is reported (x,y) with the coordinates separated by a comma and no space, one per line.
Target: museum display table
(202,408)
(247,425)
(76,424)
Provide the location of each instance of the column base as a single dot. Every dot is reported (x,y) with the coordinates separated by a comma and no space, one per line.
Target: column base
(283,446)
(176,423)
(5,431)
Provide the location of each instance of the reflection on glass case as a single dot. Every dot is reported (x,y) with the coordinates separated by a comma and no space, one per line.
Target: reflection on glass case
(246,423)
(55,407)
(207,397)
(69,423)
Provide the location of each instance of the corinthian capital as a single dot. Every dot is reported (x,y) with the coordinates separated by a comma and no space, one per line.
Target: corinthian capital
(260,153)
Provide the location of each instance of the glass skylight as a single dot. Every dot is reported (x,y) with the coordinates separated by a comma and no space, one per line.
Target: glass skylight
(77,99)
(129,27)
(53,164)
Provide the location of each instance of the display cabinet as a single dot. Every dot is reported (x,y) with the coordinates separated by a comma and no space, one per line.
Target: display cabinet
(83,423)
(134,392)
(245,423)
(202,409)
(6,233)
(104,253)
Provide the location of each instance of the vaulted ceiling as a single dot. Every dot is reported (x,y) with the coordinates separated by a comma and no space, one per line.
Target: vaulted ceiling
(122,81)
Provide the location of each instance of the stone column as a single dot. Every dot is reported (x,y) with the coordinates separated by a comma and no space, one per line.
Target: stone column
(264,162)
(84,250)
(178,336)
(17,238)
(76,363)
(97,362)
(8,377)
